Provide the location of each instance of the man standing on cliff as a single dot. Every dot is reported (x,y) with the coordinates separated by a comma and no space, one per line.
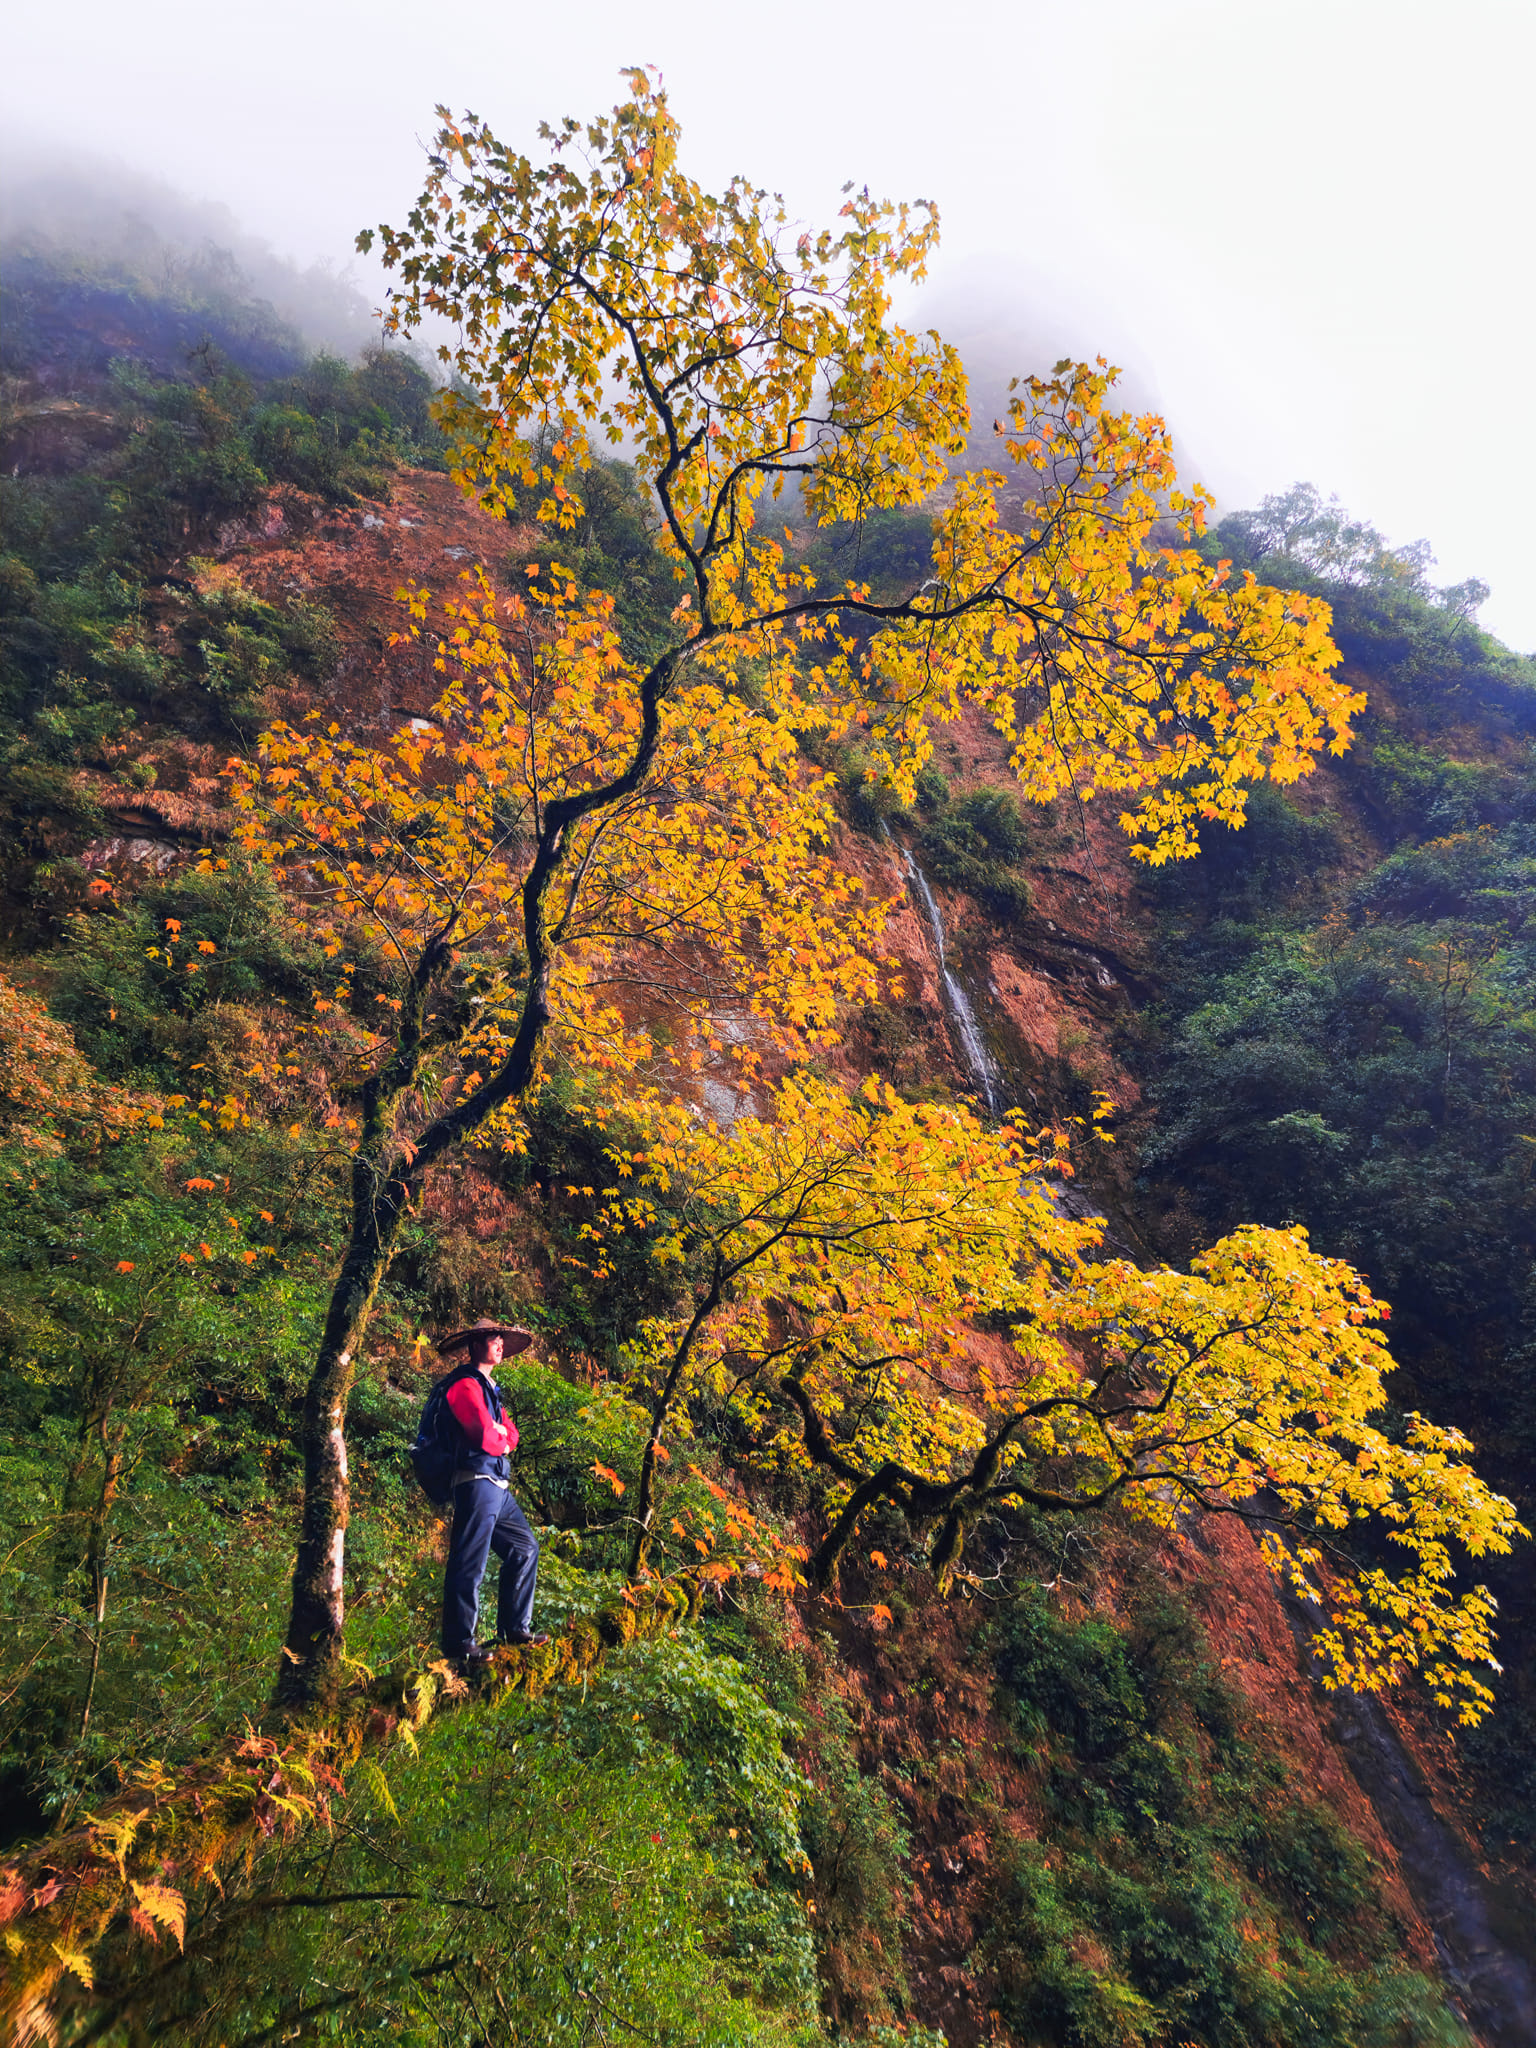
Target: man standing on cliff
(485,1516)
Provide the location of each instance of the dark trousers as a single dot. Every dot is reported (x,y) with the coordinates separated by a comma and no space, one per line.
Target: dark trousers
(487,1518)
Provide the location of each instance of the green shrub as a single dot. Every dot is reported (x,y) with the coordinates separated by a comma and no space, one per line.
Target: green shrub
(122,984)
(546,1865)
(891,550)
(975,843)
(1427,796)
(870,796)
(1181,1887)
(1275,862)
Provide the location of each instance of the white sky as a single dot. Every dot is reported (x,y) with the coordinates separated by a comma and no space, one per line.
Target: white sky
(1305,225)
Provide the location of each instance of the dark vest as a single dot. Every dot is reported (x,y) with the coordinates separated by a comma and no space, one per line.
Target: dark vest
(471,1458)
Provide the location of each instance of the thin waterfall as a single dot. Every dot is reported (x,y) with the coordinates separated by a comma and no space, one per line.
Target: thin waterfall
(967,1030)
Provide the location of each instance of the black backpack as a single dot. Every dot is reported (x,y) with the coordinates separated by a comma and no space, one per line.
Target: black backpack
(435,1453)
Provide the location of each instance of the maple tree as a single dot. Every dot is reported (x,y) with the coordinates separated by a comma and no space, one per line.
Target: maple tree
(570,813)
(851,1241)
(678,852)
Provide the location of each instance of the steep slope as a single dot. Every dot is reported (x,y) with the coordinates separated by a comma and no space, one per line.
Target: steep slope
(1126,1799)
(1051,993)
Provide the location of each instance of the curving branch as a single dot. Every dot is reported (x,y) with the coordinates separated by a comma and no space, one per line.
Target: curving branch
(958,1500)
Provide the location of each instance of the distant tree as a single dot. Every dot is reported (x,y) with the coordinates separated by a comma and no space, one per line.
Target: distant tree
(1317,534)
(1300,528)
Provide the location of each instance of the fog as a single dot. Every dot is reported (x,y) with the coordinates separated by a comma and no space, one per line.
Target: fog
(144,226)
(1303,229)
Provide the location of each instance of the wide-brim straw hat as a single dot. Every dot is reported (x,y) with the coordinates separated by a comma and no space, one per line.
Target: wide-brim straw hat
(517,1338)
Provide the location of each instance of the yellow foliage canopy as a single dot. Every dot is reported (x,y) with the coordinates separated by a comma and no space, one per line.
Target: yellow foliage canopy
(861,1234)
(708,885)
(606,293)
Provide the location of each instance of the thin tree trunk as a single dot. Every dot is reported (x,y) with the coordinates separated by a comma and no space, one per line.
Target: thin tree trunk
(312,1646)
(85,1507)
(645,1505)
(101,1616)
(97,1543)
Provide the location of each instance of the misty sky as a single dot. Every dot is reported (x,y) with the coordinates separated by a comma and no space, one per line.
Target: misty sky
(1306,226)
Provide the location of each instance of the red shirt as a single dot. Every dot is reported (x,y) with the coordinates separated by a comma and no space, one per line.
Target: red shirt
(472,1412)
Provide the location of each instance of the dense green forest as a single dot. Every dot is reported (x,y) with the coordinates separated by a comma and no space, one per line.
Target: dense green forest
(1346,1029)
(752,1828)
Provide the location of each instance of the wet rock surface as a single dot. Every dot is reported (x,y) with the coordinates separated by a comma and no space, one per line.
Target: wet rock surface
(1475,1926)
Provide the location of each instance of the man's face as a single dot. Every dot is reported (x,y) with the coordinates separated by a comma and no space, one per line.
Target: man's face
(491,1354)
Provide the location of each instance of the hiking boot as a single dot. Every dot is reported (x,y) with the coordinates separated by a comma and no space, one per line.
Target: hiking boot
(475,1658)
(535,1639)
